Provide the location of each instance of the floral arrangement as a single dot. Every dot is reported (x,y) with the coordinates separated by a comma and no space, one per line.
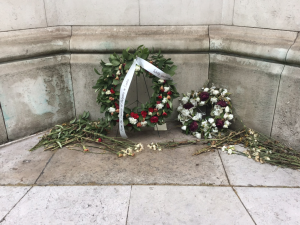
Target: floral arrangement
(151,113)
(192,118)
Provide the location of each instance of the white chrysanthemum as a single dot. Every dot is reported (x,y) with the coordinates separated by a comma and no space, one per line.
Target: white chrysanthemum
(185,112)
(180,107)
(230,117)
(211,120)
(161,81)
(185,100)
(132,120)
(137,68)
(206,90)
(198,116)
(193,101)
(183,127)
(111,109)
(144,123)
(202,103)
(164,100)
(215,92)
(213,99)
(108,92)
(227,109)
(166,89)
(197,135)
(198,99)
(159,106)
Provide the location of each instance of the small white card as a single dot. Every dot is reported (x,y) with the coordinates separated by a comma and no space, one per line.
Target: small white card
(161,127)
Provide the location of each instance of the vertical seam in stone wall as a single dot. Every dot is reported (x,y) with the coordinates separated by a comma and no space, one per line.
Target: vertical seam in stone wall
(45,12)
(233,12)
(208,53)
(5,126)
(71,72)
(139,13)
(291,47)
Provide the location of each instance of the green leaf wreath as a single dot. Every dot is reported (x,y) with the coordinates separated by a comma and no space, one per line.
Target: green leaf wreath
(108,85)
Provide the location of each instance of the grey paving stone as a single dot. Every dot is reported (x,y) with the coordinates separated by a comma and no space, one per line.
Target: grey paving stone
(9,196)
(247,172)
(272,205)
(176,166)
(72,205)
(18,165)
(293,55)
(185,205)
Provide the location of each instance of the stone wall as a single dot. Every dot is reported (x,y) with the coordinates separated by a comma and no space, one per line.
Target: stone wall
(49,49)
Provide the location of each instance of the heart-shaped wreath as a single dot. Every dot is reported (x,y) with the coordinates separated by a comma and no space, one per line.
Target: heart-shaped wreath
(192,118)
(108,85)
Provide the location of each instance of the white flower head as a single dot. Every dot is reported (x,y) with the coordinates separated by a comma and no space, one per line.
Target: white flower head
(137,68)
(225,126)
(230,117)
(202,103)
(227,98)
(226,115)
(224,92)
(164,100)
(215,92)
(185,112)
(206,90)
(188,94)
(215,130)
(132,120)
(144,123)
(150,113)
(193,101)
(159,106)
(111,109)
(227,109)
(197,135)
(211,120)
(118,73)
(198,116)
(204,123)
(229,151)
(185,100)
(224,148)
(183,127)
(227,123)
(180,107)
(198,99)
(166,89)
(213,99)
(161,81)
(108,92)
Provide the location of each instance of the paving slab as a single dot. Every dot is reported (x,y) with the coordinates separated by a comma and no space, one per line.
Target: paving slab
(272,205)
(9,196)
(18,165)
(185,205)
(176,166)
(72,205)
(244,171)
(3,134)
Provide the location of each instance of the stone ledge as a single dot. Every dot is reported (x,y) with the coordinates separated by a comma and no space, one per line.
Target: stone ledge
(293,55)
(116,38)
(34,42)
(253,42)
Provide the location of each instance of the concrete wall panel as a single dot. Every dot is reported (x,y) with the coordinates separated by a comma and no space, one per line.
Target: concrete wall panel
(274,14)
(34,42)
(22,14)
(286,126)
(3,134)
(293,55)
(36,94)
(253,42)
(253,85)
(167,38)
(92,12)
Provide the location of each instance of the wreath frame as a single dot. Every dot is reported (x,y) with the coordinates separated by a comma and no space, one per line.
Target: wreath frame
(153,112)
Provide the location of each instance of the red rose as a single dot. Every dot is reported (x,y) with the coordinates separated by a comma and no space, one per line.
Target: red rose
(158,102)
(222,103)
(154,119)
(160,97)
(164,114)
(219,123)
(99,140)
(117,105)
(204,96)
(150,109)
(112,91)
(144,114)
(169,93)
(134,115)
(168,106)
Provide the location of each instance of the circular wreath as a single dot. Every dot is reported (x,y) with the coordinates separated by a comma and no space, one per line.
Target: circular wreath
(108,85)
(192,118)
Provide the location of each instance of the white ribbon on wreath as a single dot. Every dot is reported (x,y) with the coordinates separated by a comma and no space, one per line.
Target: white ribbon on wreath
(126,84)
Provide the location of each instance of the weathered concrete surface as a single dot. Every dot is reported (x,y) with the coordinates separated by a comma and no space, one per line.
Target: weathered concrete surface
(254,42)
(244,171)
(9,196)
(185,205)
(93,12)
(34,42)
(35,94)
(286,125)
(148,167)
(22,14)
(274,206)
(254,85)
(177,12)
(166,38)
(18,165)
(275,14)
(72,205)
(293,55)
(3,134)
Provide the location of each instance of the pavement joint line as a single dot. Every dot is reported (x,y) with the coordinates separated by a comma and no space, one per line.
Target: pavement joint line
(3,219)
(224,168)
(128,205)
(44,167)
(243,205)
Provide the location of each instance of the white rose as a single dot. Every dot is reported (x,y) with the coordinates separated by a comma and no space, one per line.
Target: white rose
(185,112)
(150,113)
(183,119)
(118,73)
(159,106)
(213,125)
(227,123)
(215,92)
(108,92)
(161,81)
(166,89)
(179,107)
(198,135)
(206,90)
(217,112)
(215,130)
(132,120)
(198,99)
(185,100)
(211,120)
(227,98)
(198,116)
(230,117)
(224,92)
(191,110)
(193,101)
(213,99)
(111,109)
(202,103)
(137,68)
(164,100)
(204,123)
(227,109)
(226,115)
(183,128)
(144,123)
(225,126)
